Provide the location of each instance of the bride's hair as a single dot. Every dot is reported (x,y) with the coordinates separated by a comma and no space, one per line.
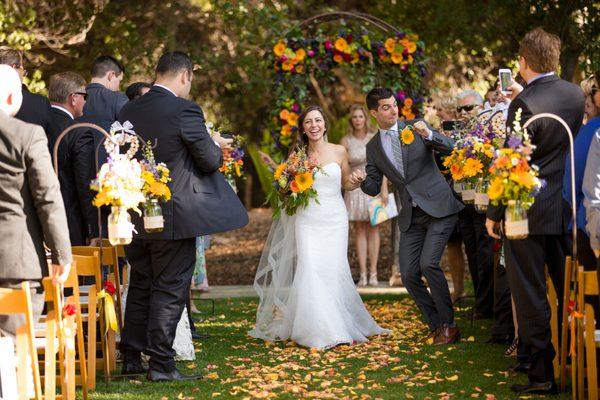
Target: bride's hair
(301,139)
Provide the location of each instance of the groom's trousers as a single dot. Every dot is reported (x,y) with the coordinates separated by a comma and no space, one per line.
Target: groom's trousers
(421,249)
(161,274)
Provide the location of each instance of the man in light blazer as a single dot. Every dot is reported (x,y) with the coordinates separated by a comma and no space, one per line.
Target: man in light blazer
(31,207)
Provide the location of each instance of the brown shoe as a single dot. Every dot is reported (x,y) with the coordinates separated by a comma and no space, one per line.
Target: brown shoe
(447,335)
(429,339)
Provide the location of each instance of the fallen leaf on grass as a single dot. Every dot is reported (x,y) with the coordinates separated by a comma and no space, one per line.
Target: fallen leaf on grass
(452,378)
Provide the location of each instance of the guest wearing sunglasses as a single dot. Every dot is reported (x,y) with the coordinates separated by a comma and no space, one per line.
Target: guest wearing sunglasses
(75,164)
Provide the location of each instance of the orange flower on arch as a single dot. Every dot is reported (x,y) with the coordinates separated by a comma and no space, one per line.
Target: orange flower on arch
(300,55)
(412,47)
(288,65)
(390,45)
(408,102)
(284,114)
(338,58)
(286,130)
(341,45)
(279,49)
(292,118)
(397,58)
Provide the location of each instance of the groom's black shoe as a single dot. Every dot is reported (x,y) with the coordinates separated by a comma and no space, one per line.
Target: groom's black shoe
(175,375)
(133,368)
(520,368)
(536,387)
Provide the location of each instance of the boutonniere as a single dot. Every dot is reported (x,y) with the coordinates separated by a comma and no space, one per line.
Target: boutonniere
(407,136)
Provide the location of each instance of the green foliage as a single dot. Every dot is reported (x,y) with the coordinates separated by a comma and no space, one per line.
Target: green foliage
(265,175)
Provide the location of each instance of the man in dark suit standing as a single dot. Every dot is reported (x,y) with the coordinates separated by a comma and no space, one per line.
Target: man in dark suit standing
(31,209)
(35,108)
(539,54)
(162,264)
(429,209)
(102,107)
(75,166)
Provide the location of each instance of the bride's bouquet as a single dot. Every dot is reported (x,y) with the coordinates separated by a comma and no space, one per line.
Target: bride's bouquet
(293,184)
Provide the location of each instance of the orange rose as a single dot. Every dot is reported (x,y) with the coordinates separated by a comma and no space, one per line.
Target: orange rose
(390,45)
(408,103)
(338,58)
(397,58)
(279,49)
(294,187)
(284,114)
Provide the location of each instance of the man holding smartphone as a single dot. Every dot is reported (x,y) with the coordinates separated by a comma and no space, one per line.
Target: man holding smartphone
(546,245)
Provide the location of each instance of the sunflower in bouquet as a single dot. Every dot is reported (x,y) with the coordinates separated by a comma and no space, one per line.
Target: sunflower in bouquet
(233,161)
(156,177)
(293,184)
(512,177)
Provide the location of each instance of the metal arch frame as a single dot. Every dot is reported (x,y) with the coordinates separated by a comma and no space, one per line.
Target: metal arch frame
(96,150)
(335,15)
(562,352)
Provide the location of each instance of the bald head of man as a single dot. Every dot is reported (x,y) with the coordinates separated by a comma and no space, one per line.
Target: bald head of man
(11,96)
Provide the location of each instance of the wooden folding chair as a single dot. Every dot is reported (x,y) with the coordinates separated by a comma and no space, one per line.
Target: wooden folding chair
(58,337)
(553,301)
(72,283)
(109,257)
(18,301)
(89,266)
(588,336)
(564,343)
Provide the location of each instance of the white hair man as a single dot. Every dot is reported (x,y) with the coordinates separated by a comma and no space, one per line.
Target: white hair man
(31,207)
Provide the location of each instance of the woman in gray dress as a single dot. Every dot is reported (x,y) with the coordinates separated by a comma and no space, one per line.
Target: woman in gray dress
(367,236)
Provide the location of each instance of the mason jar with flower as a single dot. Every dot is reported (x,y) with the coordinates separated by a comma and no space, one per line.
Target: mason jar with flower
(155,177)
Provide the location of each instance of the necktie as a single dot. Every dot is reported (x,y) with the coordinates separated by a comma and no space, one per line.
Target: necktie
(397,150)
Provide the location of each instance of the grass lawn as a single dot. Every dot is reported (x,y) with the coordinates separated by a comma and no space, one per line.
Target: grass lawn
(397,366)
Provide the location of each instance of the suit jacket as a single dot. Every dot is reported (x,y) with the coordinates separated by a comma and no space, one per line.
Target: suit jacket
(35,109)
(202,201)
(549,94)
(102,108)
(422,183)
(75,166)
(31,208)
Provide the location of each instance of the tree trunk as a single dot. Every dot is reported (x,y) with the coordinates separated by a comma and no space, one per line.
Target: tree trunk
(568,62)
(248,191)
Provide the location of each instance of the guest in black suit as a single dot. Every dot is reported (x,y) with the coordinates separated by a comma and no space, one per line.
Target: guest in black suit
(429,209)
(75,166)
(35,108)
(202,203)
(546,244)
(104,102)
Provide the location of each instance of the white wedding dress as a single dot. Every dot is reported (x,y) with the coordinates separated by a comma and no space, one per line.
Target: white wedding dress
(304,282)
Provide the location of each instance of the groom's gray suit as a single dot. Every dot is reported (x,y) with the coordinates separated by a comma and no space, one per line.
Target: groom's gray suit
(427,217)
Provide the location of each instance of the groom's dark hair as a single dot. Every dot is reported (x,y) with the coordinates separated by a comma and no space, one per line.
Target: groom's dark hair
(174,62)
(377,94)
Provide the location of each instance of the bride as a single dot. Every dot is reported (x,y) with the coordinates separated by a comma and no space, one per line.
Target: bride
(303,279)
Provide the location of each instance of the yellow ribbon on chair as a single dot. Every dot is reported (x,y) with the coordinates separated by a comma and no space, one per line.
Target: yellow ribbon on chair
(106,305)
(575,315)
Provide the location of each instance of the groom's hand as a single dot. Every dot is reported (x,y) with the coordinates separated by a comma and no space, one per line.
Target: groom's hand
(357,177)
(422,129)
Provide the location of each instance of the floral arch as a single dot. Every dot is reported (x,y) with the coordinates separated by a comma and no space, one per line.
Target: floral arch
(368,50)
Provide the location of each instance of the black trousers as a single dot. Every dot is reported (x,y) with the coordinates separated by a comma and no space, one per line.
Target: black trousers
(159,287)
(469,239)
(503,329)
(525,265)
(421,248)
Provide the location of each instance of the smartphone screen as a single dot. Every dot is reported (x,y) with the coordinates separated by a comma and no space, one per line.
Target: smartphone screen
(449,125)
(505,79)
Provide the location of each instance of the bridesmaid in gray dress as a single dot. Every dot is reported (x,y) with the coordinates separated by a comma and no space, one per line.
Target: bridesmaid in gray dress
(367,236)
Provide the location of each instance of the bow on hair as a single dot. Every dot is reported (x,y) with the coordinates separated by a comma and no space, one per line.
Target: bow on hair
(126,127)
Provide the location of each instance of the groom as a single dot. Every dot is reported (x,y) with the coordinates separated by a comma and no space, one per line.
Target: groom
(202,203)
(429,209)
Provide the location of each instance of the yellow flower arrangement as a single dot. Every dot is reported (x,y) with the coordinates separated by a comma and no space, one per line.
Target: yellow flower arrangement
(407,136)
(472,168)
(279,171)
(496,189)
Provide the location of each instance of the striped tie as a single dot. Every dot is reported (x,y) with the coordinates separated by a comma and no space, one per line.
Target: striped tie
(397,150)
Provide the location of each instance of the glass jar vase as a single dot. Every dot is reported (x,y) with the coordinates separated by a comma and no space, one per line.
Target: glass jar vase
(516,225)
(468,193)
(482,199)
(153,217)
(120,228)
